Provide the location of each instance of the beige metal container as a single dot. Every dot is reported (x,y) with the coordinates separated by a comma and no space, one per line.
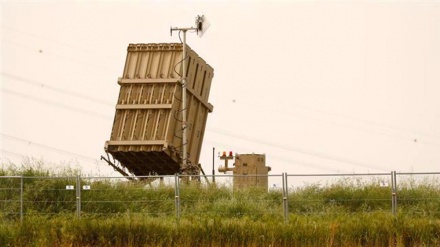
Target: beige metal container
(147,136)
(249,170)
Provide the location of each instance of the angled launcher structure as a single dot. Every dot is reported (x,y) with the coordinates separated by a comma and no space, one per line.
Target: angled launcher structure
(146,137)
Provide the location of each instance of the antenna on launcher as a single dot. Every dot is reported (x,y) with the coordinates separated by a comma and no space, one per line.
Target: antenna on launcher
(201,25)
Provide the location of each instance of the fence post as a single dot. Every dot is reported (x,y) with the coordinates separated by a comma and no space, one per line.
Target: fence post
(177,196)
(21,198)
(393,193)
(285,195)
(78,196)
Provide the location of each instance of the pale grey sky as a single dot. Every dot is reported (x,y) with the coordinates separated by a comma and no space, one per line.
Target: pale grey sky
(333,86)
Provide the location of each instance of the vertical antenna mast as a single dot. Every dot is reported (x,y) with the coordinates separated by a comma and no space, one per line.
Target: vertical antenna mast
(202,25)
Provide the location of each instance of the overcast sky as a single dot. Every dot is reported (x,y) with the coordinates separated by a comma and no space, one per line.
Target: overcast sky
(318,87)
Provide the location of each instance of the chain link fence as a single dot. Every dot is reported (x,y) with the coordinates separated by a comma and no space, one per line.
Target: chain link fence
(182,196)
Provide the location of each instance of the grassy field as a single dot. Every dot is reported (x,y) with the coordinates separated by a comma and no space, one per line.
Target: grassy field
(361,229)
(346,213)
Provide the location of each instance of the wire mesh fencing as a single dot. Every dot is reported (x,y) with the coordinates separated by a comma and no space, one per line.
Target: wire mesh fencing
(152,196)
(11,196)
(214,197)
(340,193)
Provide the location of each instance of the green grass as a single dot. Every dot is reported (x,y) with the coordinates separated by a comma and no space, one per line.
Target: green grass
(117,213)
(363,229)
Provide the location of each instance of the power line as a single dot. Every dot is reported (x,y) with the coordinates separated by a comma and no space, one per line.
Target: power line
(303,107)
(12,153)
(94,114)
(280,158)
(106,103)
(302,151)
(56,55)
(305,164)
(295,149)
(58,150)
(411,139)
(60,43)
(57,104)
(371,122)
(56,89)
